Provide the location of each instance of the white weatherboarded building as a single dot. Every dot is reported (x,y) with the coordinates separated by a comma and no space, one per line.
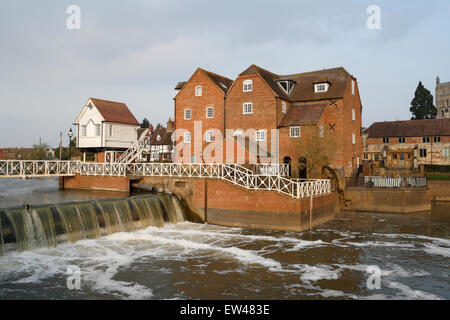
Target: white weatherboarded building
(105,126)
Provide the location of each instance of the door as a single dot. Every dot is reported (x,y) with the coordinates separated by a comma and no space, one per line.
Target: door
(401,161)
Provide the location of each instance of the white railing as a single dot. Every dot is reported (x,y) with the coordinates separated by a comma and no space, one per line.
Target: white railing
(395,182)
(271,169)
(33,168)
(233,173)
(143,143)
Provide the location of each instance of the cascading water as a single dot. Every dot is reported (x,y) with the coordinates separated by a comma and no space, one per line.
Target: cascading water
(48,225)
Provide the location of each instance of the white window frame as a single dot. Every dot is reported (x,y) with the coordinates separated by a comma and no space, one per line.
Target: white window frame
(98,130)
(261,135)
(247,86)
(291,131)
(321,131)
(185,114)
(245,108)
(187,137)
(353,114)
(353,87)
(283,107)
(111,131)
(207,109)
(318,87)
(445,152)
(209,136)
(84,131)
(353,138)
(198,91)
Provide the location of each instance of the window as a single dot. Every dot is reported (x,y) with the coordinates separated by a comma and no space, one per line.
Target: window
(287,85)
(294,132)
(423,153)
(97,129)
(401,140)
(321,132)
(353,115)
(198,91)
(158,138)
(210,112)
(377,157)
(248,85)
(283,107)
(353,87)
(321,87)
(436,139)
(261,135)
(187,137)
(446,153)
(248,108)
(394,156)
(209,136)
(366,157)
(84,131)
(110,130)
(385,140)
(187,114)
(353,138)
(426,139)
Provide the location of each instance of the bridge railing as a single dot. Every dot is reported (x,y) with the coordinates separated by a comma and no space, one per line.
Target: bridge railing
(34,168)
(233,173)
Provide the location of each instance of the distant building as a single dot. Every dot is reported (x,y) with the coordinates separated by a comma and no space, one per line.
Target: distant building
(50,154)
(161,143)
(407,144)
(105,126)
(442,99)
(3,153)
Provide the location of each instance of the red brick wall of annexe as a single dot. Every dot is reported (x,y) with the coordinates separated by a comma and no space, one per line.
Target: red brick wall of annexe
(121,184)
(229,205)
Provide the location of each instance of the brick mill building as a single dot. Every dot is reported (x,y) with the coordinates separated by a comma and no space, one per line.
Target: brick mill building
(314,108)
(408,144)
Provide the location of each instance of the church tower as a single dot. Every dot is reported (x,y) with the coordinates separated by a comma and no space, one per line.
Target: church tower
(442,99)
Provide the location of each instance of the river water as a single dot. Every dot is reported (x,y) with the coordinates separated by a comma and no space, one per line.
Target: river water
(194,261)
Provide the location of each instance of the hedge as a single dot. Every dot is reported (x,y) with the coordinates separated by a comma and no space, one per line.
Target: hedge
(437,168)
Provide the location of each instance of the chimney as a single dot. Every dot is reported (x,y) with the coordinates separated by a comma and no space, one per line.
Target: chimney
(170,125)
(150,128)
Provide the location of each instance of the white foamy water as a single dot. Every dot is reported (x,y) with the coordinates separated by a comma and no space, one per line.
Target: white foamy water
(203,261)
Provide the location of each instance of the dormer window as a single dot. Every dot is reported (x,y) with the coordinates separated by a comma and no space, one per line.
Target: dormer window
(321,87)
(286,85)
(90,106)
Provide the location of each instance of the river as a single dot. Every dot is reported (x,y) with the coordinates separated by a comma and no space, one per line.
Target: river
(195,261)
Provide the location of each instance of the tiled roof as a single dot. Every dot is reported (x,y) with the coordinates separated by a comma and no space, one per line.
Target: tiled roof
(304,88)
(410,128)
(180,85)
(115,111)
(223,82)
(166,137)
(303,114)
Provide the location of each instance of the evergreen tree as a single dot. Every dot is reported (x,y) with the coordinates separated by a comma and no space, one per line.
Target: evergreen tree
(145,123)
(422,106)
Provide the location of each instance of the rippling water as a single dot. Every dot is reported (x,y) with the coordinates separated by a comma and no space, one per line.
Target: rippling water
(210,262)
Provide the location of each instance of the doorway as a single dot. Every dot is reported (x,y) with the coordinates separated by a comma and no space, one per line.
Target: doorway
(302,168)
(287,161)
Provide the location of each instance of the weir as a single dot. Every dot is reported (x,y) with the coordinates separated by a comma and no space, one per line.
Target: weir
(27,227)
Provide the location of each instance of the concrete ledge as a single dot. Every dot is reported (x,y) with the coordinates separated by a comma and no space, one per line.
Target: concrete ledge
(106,183)
(387,200)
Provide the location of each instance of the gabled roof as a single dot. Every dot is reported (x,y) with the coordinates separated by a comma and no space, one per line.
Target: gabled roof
(304,89)
(222,82)
(410,128)
(303,114)
(113,111)
(166,137)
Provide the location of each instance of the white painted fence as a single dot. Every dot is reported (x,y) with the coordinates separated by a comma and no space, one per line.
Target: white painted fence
(395,182)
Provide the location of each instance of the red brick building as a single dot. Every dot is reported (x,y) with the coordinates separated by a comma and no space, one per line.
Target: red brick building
(3,154)
(301,108)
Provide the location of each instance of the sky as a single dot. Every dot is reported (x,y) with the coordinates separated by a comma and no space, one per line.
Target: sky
(136,51)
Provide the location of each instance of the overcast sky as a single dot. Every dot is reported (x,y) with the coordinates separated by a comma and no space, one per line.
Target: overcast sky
(136,51)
